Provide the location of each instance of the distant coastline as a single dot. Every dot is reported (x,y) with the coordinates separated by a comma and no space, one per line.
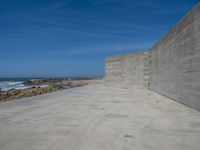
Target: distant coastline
(18,83)
(18,79)
(14,83)
(15,88)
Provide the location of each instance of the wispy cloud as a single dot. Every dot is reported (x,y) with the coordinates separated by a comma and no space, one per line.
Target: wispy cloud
(72,22)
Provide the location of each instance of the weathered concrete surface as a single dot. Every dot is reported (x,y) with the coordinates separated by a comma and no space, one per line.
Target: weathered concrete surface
(98,118)
(126,71)
(113,71)
(175,68)
(171,67)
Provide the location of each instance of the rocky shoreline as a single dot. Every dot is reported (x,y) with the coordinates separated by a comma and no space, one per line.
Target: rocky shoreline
(41,86)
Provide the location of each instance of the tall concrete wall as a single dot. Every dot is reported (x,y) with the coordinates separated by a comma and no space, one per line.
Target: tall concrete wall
(126,71)
(113,71)
(175,66)
(171,67)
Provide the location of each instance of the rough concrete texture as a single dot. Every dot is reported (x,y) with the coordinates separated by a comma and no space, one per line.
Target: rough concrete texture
(98,118)
(171,67)
(126,71)
(175,68)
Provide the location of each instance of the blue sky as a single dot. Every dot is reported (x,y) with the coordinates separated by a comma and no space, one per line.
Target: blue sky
(56,38)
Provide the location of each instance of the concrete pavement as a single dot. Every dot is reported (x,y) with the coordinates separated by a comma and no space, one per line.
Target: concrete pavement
(94,117)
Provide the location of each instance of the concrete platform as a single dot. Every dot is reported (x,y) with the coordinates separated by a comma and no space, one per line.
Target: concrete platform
(94,117)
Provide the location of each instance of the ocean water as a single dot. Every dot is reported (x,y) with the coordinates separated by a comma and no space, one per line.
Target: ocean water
(14,83)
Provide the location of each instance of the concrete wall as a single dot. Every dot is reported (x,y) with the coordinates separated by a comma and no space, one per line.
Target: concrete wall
(126,71)
(113,71)
(175,66)
(171,67)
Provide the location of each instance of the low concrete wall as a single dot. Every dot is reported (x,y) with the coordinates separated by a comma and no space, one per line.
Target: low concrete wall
(171,67)
(126,71)
(175,68)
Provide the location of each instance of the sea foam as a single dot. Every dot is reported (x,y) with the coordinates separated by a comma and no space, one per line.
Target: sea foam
(7,85)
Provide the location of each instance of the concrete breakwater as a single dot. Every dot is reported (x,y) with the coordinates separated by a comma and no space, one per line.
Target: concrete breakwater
(171,67)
